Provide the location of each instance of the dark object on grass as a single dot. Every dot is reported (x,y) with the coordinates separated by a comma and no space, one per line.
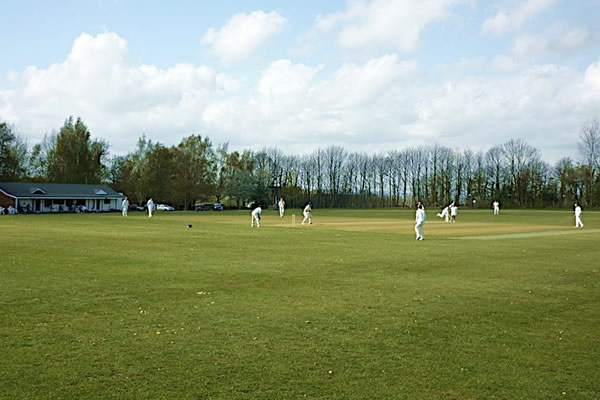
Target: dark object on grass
(189,225)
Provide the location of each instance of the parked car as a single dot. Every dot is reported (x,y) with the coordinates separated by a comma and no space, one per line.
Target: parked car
(164,207)
(218,207)
(202,207)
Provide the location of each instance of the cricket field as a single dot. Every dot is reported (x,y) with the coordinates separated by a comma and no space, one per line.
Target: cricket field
(100,306)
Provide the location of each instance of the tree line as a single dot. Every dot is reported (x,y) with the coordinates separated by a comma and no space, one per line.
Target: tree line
(195,171)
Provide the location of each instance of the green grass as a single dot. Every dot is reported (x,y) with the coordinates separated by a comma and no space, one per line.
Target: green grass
(351,307)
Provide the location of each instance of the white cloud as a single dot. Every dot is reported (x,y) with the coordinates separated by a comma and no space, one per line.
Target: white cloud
(289,98)
(366,23)
(119,101)
(282,80)
(380,104)
(506,21)
(557,41)
(353,86)
(537,104)
(591,81)
(243,34)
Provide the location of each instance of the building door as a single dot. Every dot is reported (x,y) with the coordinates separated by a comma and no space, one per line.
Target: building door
(38,205)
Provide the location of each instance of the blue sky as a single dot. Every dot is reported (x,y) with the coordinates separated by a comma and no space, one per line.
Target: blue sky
(367,75)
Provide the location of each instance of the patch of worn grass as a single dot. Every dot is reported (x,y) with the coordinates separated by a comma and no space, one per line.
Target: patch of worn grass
(351,307)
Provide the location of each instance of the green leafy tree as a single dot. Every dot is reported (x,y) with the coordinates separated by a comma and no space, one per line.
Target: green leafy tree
(195,170)
(75,158)
(158,174)
(13,155)
(239,177)
(242,187)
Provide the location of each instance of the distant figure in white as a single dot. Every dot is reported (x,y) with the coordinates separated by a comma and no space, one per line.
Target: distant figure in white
(281,205)
(578,223)
(496,207)
(307,213)
(125,206)
(256,217)
(445,213)
(420,218)
(453,212)
(150,205)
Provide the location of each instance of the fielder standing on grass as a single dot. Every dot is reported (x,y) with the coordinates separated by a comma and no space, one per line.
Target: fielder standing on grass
(150,206)
(281,205)
(420,218)
(578,223)
(255,217)
(125,206)
(307,213)
(496,207)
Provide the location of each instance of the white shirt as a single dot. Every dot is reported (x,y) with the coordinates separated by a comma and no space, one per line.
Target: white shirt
(125,204)
(256,212)
(453,210)
(420,216)
(496,204)
(307,208)
(578,211)
(150,204)
(281,203)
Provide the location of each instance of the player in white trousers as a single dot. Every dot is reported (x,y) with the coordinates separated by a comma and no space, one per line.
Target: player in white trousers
(125,206)
(150,206)
(420,218)
(496,207)
(307,213)
(256,217)
(281,205)
(578,223)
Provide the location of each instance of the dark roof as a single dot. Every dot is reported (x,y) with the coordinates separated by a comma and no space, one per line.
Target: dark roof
(56,190)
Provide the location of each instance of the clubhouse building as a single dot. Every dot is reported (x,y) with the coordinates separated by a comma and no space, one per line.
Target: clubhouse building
(55,197)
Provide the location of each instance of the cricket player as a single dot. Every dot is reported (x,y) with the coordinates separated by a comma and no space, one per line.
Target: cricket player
(281,205)
(578,223)
(453,212)
(150,205)
(445,214)
(420,218)
(307,213)
(496,207)
(256,217)
(125,206)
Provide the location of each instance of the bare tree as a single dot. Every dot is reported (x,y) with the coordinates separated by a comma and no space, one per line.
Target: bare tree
(589,148)
(379,168)
(459,168)
(469,173)
(318,166)
(481,182)
(519,156)
(434,189)
(335,156)
(446,174)
(494,164)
